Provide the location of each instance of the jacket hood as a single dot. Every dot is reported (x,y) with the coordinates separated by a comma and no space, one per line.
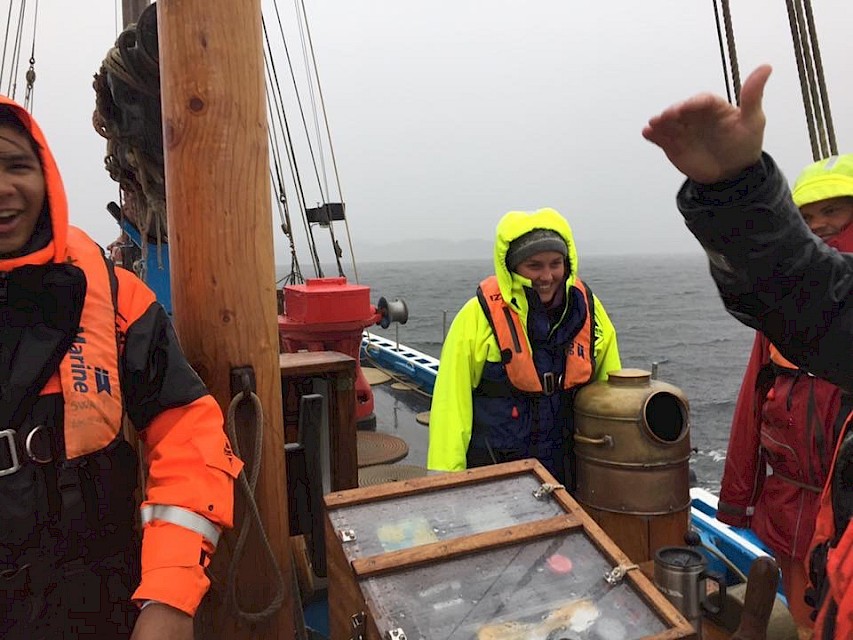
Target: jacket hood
(57,205)
(514,225)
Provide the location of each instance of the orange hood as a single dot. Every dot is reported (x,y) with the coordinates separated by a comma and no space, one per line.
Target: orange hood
(57,205)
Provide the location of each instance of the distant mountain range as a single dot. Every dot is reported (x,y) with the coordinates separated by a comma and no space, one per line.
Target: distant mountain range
(423,249)
(428,249)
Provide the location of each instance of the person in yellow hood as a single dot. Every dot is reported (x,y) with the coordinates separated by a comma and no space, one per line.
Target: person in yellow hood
(84,345)
(516,353)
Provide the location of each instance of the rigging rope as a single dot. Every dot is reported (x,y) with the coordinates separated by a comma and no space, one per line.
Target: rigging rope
(277,176)
(5,43)
(811,80)
(13,44)
(722,52)
(329,137)
(824,96)
(809,69)
(297,96)
(31,72)
(322,184)
(16,53)
(288,142)
(812,83)
(730,42)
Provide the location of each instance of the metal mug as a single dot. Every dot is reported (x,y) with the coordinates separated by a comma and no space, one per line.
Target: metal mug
(680,574)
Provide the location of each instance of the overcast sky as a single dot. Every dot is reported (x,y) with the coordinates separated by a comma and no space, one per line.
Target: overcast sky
(446,114)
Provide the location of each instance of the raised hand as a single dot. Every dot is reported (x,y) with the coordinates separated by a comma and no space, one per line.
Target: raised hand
(708,139)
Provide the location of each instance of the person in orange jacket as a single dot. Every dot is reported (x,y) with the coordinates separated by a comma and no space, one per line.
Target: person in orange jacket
(776,276)
(786,418)
(84,345)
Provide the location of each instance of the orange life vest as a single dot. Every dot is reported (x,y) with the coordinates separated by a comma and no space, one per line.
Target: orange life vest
(88,373)
(515,347)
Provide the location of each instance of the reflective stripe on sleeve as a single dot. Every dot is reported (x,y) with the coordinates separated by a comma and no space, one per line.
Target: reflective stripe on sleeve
(182,518)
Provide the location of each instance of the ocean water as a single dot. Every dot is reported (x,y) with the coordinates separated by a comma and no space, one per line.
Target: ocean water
(665,309)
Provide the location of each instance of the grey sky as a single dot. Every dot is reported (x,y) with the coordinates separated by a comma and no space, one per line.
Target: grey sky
(444,115)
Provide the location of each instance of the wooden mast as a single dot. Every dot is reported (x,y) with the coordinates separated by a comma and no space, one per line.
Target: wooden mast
(222,262)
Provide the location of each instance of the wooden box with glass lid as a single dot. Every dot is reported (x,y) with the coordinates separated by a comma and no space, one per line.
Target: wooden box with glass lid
(493,553)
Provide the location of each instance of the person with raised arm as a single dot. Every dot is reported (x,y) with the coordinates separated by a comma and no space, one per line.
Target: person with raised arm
(778,277)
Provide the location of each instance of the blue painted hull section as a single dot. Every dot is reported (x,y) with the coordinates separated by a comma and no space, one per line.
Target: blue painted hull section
(403,361)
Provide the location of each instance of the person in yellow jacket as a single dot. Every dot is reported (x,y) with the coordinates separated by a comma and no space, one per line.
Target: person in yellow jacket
(517,351)
(84,345)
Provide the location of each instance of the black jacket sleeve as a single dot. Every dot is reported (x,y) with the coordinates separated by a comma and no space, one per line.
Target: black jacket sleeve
(157,376)
(772,273)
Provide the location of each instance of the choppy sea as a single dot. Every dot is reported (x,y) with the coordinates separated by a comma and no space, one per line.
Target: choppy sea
(665,309)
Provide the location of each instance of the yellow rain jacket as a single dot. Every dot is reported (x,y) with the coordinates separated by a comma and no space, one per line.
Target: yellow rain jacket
(477,415)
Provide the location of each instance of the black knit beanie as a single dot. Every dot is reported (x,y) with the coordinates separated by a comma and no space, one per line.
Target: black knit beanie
(534,242)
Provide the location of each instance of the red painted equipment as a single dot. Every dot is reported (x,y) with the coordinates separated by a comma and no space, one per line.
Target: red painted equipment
(328,314)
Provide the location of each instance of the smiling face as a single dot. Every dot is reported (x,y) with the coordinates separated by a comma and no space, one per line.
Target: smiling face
(22,189)
(546,271)
(828,218)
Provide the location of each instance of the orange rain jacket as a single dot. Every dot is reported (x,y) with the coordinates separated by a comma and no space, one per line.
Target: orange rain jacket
(123,359)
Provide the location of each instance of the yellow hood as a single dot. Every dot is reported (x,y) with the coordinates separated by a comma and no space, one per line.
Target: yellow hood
(514,225)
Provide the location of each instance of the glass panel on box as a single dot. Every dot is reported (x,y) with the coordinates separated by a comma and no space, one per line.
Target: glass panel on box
(548,589)
(410,521)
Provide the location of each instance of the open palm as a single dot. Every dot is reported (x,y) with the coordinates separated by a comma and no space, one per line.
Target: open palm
(708,139)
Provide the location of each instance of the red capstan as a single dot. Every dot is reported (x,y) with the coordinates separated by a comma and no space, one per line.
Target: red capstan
(328,314)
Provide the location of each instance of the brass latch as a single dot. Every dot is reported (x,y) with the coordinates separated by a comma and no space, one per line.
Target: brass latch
(617,573)
(545,490)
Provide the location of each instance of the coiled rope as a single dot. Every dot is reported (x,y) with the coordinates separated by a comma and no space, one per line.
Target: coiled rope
(253,516)
(127,115)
